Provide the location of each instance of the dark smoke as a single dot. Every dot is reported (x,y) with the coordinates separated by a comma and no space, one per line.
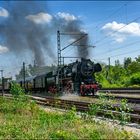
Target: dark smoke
(75,26)
(22,35)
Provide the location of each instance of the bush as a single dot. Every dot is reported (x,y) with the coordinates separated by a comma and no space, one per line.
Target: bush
(18,92)
(20,101)
(16,89)
(135,79)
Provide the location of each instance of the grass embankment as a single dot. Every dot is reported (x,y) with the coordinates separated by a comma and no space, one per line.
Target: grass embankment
(22,119)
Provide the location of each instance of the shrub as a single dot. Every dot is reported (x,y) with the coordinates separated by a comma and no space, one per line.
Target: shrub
(20,101)
(135,79)
(18,92)
(16,89)
(124,109)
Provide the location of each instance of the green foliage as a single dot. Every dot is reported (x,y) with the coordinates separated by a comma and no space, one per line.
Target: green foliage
(124,109)
(16,90)
(134,67)
(127,61)
(125,75)
(105,104)
(93,109)
(62,135)
(71,114)
(135,79)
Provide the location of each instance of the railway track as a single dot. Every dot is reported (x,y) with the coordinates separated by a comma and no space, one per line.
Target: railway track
(84,107)
(131,94)
(129,99)
(121,90)
(116,92)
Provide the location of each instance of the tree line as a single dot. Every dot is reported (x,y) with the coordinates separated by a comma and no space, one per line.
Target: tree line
(120,75)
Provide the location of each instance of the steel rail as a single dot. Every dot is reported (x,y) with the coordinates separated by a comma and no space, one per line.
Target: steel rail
(121,90)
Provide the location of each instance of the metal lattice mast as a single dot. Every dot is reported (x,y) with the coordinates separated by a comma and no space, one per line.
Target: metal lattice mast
(59,59)
(58,49)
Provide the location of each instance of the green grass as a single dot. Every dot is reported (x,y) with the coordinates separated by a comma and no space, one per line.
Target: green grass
(25,120)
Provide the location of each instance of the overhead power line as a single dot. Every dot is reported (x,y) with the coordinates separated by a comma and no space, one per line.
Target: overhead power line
(119,48)
(121,54)
(98,41)
(113,13)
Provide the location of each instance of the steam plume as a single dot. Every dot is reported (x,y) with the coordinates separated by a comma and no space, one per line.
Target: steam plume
(22,32)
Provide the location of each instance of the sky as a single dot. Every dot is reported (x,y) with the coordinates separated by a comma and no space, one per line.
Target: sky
(113,27)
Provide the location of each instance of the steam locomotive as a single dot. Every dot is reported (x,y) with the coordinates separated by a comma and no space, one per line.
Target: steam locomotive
(75,77)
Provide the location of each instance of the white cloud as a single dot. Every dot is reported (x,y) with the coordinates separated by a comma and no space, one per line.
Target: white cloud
(121,30)
(3,12)
(66,16)
(40,18)
(3,49)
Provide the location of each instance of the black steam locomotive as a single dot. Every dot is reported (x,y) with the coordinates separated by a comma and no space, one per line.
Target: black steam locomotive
(76,77)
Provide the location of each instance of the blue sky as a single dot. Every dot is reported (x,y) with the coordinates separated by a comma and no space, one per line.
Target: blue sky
(100,20)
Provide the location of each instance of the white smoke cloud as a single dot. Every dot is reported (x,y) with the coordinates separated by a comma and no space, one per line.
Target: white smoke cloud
(3,12)
(66,16)
(119,35)
(3,49)
(40,18)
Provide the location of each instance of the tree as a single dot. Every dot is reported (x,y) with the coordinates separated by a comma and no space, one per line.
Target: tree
(20,75)
(137,58)
(135,79)
(127,61)
(134,67)
(117,63)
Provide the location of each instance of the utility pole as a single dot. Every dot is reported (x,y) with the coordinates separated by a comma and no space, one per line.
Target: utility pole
(109,64)
(109,69)
(24,74)
(2,81)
